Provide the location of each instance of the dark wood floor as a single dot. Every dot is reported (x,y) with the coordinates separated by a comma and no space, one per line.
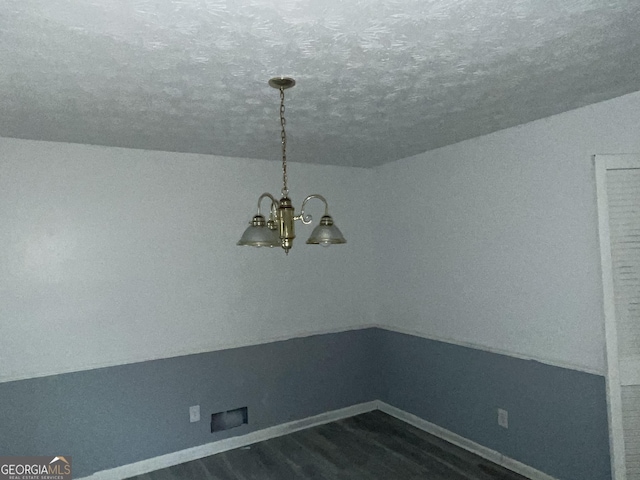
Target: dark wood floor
(370,446)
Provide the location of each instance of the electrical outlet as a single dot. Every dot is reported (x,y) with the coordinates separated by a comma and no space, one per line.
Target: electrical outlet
(503,418)
(194,413)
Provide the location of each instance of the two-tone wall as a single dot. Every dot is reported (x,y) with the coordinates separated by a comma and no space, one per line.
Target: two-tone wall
(109,417)
(124,300)
(492,243)
(112,256)
(557,417)
(119,271)
(114,416)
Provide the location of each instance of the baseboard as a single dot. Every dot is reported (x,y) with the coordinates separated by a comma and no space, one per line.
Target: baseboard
(194,453)
(473,447)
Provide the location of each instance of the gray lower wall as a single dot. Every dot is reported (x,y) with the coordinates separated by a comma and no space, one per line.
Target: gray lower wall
(118,415)
(557,417)
(113,416)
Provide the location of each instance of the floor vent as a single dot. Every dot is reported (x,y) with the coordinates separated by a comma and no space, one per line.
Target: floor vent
(229,419)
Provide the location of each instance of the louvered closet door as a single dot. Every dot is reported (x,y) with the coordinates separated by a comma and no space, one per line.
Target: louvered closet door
(623,204)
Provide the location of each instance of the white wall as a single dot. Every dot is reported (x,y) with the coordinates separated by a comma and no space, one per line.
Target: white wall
(493,241)
(110,256)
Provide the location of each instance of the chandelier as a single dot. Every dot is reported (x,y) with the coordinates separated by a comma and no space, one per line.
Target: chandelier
(278,230)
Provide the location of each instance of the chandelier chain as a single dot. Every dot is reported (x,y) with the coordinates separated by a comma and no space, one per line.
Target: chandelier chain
(283,138)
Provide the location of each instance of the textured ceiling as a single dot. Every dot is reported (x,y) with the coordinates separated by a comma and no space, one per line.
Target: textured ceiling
(378,80)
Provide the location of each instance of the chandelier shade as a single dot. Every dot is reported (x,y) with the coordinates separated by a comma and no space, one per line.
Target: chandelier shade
(279,229)
(258,234)
(326,233)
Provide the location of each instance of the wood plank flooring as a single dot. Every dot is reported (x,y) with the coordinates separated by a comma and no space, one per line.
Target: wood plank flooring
(370,446)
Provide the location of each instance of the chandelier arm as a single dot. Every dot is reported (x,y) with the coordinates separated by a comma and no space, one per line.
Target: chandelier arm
(306,219)
(274,202)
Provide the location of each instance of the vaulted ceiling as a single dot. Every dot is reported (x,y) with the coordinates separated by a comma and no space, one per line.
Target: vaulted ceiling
(378,80)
